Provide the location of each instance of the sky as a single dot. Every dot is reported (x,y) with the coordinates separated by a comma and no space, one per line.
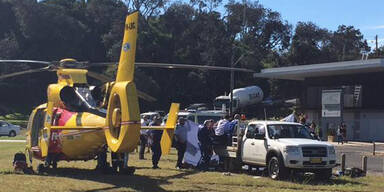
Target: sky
(366,15)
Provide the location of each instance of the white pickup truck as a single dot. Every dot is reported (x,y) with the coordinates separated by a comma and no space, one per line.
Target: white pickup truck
(284,146)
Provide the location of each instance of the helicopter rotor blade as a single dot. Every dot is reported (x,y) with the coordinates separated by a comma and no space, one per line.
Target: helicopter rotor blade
(104,78)
(145,96)
(26,61)
(143,64)
(189,66)
(48,68)
(176,66)
(99,76)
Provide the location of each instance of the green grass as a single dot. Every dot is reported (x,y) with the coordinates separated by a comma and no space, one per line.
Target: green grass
(79,176)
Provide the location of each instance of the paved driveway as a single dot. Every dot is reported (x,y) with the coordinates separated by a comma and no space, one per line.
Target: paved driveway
(354,152)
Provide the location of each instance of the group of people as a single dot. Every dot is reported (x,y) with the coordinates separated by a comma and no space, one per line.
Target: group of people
(212,136)
(312,128)
(341,132)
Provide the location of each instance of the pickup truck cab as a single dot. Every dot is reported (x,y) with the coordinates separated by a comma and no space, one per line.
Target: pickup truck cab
(286,146)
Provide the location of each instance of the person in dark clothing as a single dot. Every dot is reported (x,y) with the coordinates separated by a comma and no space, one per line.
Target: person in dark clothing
(143,137)
(343,128)
(205,135)
(180,141)
(156,138)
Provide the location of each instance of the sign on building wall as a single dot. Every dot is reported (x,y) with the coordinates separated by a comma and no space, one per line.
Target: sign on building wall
(331,103)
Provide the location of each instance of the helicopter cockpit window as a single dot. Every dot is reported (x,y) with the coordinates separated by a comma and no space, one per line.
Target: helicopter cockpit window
(85,94)
(79,99)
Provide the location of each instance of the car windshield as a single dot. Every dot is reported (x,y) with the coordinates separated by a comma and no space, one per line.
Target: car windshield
(288,131)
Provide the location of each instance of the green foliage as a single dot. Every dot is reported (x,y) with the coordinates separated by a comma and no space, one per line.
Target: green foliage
(16,116)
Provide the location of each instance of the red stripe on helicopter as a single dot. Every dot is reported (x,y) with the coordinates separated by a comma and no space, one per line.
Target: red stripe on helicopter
(129,122)
(78,132)
(125,123)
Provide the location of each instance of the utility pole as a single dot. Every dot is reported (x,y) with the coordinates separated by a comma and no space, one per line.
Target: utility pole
(232,83)
(377,45)
(244,9)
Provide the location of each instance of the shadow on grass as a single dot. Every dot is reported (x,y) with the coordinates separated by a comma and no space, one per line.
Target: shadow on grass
(135,182)
(310,179)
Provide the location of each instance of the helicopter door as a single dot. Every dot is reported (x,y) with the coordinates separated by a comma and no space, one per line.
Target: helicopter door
(37,125)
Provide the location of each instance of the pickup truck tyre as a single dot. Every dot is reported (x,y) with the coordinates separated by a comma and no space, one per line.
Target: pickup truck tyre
(323,174)
(276,168)
(12,134)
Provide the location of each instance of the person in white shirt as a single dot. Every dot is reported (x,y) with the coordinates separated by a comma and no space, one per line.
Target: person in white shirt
(143,137)
(219,141)
(219,131)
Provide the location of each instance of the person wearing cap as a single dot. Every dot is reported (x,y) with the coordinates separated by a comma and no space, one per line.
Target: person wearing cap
(180,141)
(155,136)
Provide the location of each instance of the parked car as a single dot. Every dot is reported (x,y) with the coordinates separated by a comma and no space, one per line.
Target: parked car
(8,129)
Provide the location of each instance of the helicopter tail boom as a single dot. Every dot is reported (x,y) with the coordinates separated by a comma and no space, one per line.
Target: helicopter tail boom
(126,66)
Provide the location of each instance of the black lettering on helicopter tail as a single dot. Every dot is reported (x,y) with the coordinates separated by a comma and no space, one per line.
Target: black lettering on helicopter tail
(130,26)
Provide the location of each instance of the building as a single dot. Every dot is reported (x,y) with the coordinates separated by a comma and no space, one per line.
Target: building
(360,86)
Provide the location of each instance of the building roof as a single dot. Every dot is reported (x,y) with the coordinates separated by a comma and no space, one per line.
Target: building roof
(301,72)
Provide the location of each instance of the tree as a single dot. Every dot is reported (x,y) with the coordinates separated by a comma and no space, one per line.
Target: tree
(309,45)
(261,33)
(147,8)
(206,5)
(348,43)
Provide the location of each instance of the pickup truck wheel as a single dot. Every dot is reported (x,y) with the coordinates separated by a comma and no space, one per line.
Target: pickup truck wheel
(12,134)
(276,169)
(323,174)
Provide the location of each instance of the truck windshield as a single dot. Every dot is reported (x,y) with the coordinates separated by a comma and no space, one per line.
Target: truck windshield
(288,131)
(218,103)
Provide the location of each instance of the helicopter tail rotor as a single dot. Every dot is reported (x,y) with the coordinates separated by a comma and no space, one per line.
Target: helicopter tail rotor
(123,118)
(123,115)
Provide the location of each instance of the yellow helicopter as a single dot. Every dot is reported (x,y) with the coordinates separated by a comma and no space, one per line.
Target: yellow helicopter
(73,126)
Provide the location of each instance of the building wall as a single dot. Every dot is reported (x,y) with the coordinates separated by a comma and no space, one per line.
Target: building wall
(367,125)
